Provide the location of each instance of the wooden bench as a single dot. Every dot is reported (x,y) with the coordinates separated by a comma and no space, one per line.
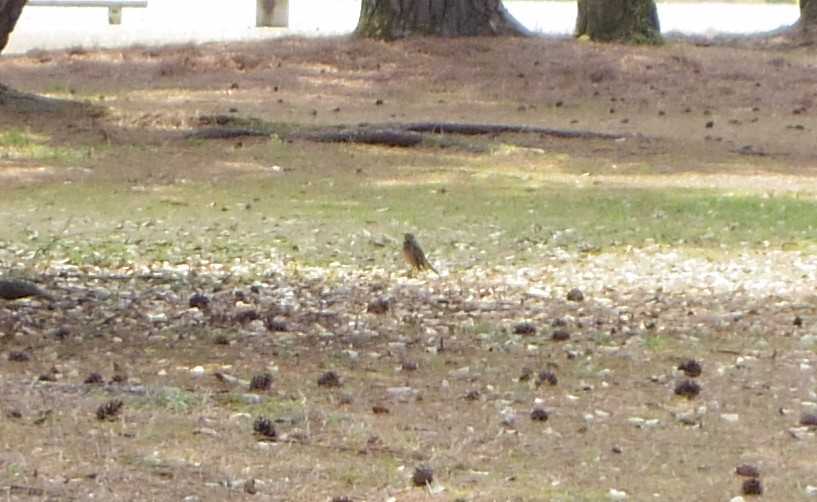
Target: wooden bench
(114,6)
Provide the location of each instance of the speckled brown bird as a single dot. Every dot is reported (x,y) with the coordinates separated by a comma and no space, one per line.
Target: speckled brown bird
(414,255)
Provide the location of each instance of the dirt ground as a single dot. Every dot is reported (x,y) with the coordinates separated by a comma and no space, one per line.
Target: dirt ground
(577,276)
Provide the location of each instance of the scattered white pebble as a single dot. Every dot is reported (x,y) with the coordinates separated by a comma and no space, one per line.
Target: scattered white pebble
(197,371)
(811,491)
(730,417)
(401,393)
(157,317)
(508,416)
(614,494)
(463,372)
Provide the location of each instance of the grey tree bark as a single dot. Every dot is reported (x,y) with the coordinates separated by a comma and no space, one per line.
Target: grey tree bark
(391,19)
(808,16)
(618,20)
(9,13)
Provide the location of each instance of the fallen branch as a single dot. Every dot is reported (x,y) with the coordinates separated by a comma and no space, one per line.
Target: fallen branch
(21,102)
(476,129)
(226,133)
(396,135)
(384,137)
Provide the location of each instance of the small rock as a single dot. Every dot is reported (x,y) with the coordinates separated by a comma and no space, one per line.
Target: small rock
(808,420)
(251,399)
(732,418)
(205,431)
(197,371)
(811,491)
(378,306)
(19,356)
(60,333)
(401,393)
(423,476)
(472,395)
(460,373)
(274,325)
(575,295)
(249,487)
(752,486)
(798,321)
(508,416)
(747,470)
(409,366)
(614,494)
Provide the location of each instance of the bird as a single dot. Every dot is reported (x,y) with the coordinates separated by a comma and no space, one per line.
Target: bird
(414,255)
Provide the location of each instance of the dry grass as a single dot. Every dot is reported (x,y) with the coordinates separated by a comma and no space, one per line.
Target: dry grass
(137,190)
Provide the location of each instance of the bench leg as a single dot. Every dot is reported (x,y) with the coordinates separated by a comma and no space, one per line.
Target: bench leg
(272,13)
(114,15)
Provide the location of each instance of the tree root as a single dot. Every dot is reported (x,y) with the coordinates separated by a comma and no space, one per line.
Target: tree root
(22,102)
(394,135)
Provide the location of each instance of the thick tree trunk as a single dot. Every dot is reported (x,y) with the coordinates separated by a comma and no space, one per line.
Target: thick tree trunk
(808,16)
(390,19)
(9,13)
(619,20)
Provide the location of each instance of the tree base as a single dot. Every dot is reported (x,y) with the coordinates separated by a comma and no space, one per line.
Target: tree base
(13,101)
(393,19)
(631,21)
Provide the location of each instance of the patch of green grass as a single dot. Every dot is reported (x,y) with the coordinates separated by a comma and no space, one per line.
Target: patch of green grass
(172,399)
(17,144)
(655,343)
(270,406)
(465,210)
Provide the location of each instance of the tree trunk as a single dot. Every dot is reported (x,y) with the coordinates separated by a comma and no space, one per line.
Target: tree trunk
(808,16)
(390,19)
(619,20)
(9,13)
